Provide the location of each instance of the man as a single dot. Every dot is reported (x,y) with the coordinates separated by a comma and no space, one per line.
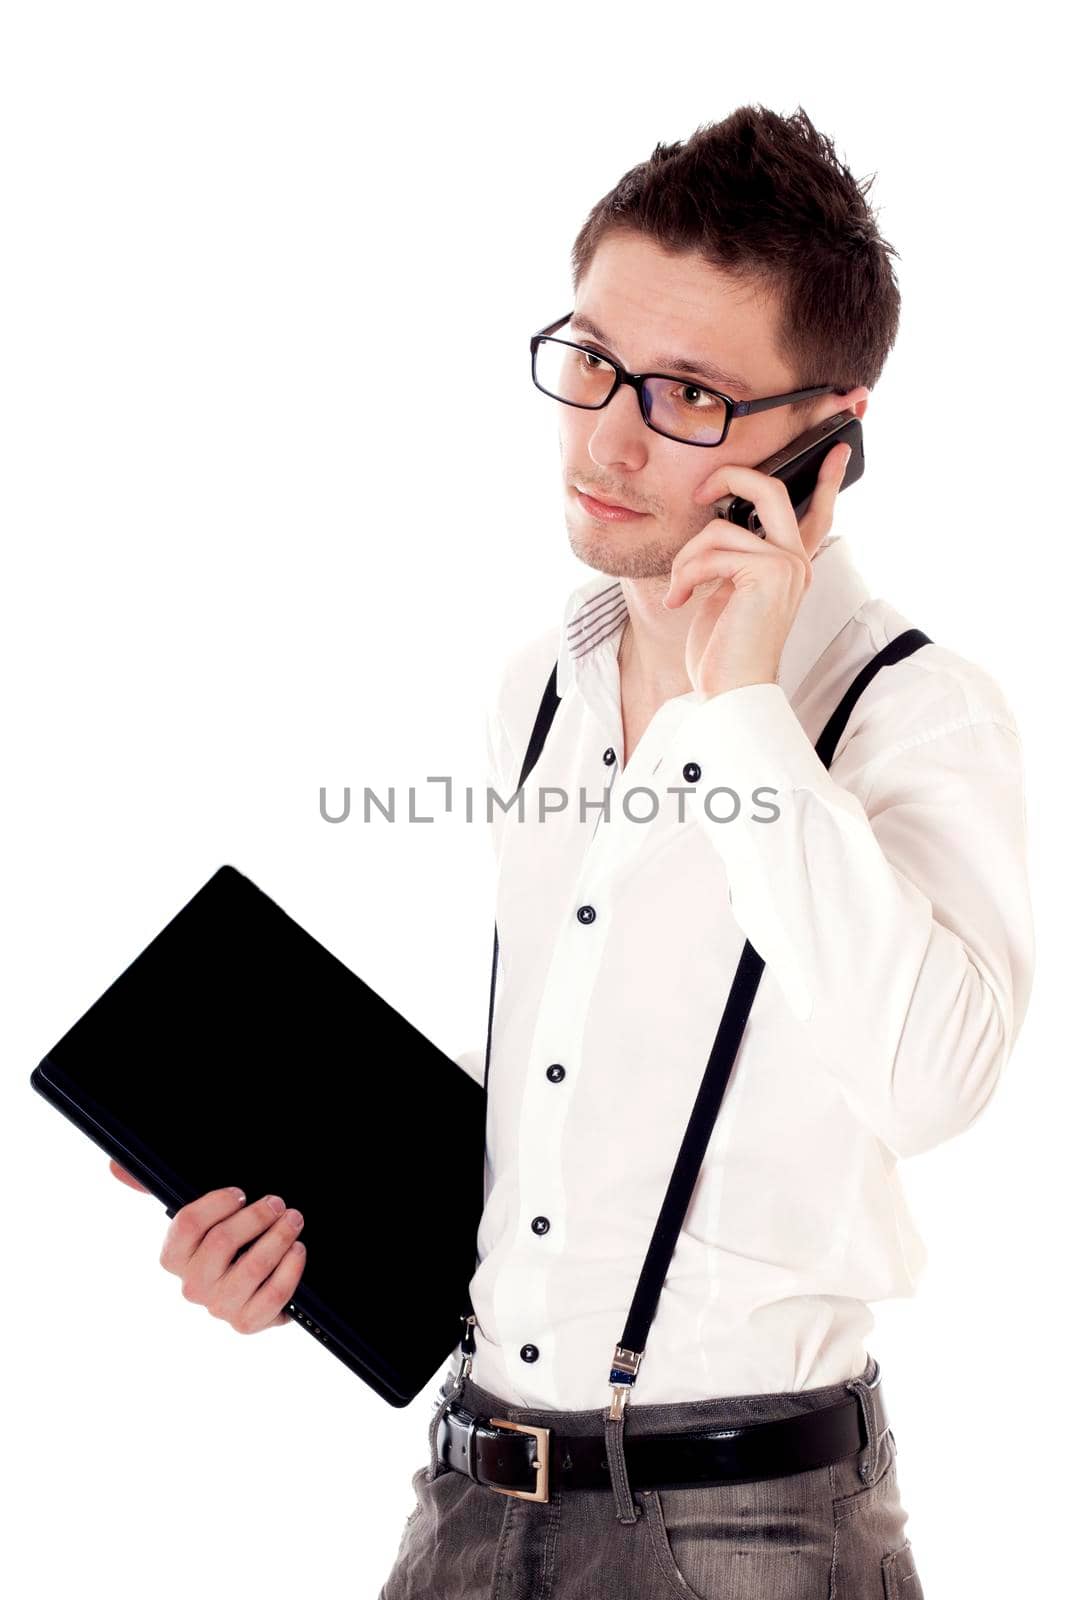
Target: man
(884,889)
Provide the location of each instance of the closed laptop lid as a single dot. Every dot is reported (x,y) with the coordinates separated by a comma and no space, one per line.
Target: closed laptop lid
(235,1049)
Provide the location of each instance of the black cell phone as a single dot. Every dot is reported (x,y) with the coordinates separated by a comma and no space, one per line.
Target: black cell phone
(797,464)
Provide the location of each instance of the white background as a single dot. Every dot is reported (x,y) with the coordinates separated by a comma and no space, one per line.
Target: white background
(264,530)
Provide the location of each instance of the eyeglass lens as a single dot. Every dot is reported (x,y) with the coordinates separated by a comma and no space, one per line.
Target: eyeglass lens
(673,405)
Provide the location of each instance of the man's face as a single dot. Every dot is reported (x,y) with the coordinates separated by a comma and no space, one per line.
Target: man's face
(648,303)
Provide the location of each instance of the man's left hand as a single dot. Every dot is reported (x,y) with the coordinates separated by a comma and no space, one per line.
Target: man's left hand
(739,629)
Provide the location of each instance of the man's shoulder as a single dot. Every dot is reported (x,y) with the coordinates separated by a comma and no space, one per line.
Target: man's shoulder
(935,685)
(522,678)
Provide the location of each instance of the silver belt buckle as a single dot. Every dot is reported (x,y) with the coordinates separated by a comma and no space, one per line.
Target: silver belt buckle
(541,1462)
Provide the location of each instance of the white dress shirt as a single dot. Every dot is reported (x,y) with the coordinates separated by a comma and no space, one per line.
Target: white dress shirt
(889,900)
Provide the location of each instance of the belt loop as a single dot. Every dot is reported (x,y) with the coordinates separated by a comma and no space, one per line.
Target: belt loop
(616,1460)
(623,1375)
(864,1387)
(439,1412)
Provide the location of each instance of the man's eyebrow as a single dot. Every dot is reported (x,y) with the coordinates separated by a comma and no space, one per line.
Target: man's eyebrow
(729,381)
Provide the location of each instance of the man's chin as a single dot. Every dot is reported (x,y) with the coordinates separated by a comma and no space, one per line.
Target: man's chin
(610,555)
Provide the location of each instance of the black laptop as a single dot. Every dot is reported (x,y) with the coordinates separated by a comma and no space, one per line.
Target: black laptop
(236,1050)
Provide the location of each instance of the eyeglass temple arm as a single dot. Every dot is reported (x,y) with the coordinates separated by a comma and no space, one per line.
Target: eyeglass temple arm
(551,327)
(744,408)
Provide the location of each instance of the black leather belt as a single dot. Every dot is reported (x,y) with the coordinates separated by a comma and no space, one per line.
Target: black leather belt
(519,1459)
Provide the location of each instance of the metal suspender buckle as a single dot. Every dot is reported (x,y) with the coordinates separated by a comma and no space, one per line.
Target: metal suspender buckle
(623,1375)
(541,1461)
(467,1348)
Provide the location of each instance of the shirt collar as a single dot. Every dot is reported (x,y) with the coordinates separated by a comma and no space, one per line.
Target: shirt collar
(596,610)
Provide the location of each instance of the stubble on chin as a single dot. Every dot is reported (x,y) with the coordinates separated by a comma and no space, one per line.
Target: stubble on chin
(617,556)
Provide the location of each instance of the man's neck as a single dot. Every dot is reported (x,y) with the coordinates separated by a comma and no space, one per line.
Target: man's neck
(652,655)
(644,685)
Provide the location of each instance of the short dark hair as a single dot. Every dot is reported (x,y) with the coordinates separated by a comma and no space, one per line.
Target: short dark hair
(765,198)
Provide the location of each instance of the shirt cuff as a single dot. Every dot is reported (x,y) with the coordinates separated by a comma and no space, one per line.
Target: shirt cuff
(747,738)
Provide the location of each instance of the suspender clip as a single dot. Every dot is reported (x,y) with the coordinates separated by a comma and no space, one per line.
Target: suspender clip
(623,1375)
(467,1347)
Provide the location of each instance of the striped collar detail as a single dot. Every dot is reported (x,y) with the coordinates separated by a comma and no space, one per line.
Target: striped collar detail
(595,619)
(596,611)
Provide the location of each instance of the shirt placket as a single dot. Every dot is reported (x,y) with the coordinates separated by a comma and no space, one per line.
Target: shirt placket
(555,1061)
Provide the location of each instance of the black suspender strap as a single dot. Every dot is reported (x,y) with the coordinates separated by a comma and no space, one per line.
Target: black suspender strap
(547,706)
(631,1347)
(545,716)
(904,645)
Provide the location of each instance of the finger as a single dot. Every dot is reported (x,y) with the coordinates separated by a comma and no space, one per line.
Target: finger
(192,1222)
(224,1243)
(722,538)
(284,1287)
(259,1298)
(725,564)
(226,1283)
(819,518)
(768,495)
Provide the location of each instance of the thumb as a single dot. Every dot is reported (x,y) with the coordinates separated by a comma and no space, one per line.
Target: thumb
(127,1177)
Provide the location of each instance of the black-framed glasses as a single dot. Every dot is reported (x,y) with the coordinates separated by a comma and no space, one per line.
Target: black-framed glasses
(676,407)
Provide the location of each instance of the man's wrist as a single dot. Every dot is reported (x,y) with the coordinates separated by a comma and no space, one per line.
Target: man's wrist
(748,682)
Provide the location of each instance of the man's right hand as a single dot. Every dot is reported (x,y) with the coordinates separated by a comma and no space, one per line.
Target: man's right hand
(203,1242)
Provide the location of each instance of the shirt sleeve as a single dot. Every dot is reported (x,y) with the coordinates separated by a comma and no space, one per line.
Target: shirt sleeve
(895,916)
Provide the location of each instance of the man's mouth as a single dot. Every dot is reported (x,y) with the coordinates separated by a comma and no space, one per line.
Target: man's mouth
(597,506)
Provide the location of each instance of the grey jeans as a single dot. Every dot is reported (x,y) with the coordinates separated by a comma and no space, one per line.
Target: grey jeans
(833,1533)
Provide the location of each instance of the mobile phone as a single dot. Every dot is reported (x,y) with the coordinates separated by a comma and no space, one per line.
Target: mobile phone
(797,464)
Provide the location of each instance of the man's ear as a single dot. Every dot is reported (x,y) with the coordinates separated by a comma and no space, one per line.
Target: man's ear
(856,400)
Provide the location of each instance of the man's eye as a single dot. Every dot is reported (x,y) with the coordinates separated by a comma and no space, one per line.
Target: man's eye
(689,390)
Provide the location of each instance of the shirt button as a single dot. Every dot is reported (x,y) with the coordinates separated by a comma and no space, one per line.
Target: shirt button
(529,1352)
(608,757)
(691,772)
(586,914)
(556,1072)
(540,1225)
